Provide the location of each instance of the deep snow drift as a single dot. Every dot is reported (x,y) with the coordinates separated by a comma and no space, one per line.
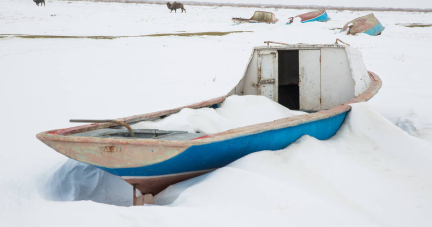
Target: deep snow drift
(234,112)
(370,174)
(374,172)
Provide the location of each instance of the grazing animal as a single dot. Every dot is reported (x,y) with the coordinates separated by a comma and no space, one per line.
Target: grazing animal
(175,6)
(40,2)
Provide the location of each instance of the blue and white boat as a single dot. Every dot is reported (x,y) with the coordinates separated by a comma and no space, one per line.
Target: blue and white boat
(319,79)
(368,24)
(319,15)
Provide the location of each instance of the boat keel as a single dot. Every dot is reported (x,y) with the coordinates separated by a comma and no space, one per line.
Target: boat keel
(142,199)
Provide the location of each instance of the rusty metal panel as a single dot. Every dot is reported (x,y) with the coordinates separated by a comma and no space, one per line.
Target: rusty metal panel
(268,71)
(267,81)
(310,80)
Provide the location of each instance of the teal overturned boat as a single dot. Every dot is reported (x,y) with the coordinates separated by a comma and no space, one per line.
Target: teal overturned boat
(368,24)
(319,15)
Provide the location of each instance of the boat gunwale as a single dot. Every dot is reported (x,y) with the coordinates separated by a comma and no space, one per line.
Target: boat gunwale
(134,118)
(62,134)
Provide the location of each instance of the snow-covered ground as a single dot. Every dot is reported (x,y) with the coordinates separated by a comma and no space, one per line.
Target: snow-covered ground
(375,172)
(418,4)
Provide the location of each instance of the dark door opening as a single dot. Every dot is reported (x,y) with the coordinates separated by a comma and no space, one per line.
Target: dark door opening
(288,88)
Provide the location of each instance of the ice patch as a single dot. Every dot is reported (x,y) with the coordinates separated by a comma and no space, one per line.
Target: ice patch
(75,181)
(407,126)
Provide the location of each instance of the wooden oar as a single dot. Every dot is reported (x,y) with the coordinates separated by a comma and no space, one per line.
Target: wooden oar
(104,121)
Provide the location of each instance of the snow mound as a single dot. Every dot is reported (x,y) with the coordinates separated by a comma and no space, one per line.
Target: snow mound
(235,111)
(356,178)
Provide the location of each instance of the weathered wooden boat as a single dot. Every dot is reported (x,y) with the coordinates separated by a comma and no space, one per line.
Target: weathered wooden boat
(319,15)
(368,24)
(320,79)
(258,17)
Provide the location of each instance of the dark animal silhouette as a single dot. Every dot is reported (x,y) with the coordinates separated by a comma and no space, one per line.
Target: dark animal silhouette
(175,6)
(40,2)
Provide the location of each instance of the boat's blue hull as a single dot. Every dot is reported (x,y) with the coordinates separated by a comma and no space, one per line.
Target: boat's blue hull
(368,24)
(321,18)
(220,153)
(375,30)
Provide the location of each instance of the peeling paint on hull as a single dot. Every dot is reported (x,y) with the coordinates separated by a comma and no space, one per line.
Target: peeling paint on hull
(156,164)
(375,30)
(221,153)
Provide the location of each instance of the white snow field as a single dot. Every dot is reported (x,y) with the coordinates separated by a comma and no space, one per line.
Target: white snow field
(413,4)
(376,171)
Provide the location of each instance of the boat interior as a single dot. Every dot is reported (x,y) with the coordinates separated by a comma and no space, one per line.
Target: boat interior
(156,134)
(288,78)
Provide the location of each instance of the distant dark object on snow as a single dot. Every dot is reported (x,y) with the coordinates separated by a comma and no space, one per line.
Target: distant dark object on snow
(258,17)
(40,2)
(414,25)
(175,6)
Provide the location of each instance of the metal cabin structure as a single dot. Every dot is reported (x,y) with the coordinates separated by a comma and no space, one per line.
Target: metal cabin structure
(305,77)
